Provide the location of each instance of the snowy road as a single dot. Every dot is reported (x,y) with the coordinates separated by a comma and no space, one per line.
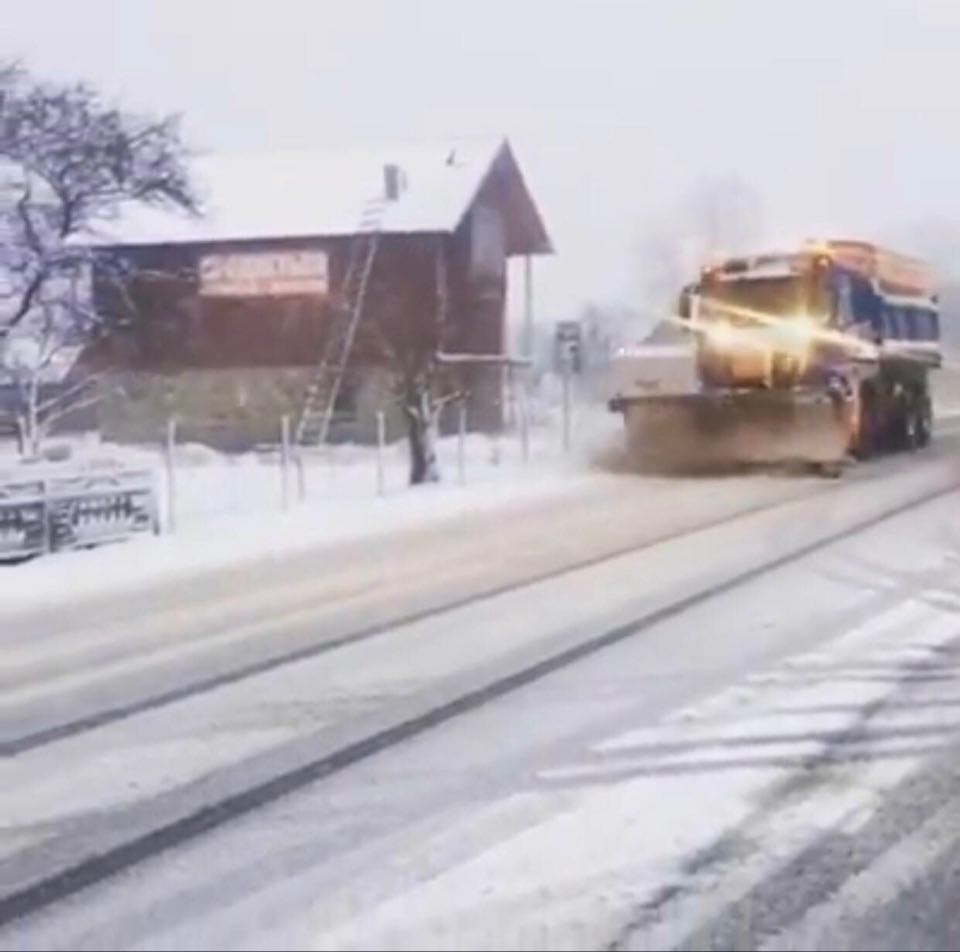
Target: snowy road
(733,736)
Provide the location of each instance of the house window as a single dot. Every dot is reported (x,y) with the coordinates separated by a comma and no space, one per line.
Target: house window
(347,404)
(487,244)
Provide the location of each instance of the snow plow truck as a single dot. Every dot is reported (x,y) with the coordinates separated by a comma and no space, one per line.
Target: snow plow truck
(816,356)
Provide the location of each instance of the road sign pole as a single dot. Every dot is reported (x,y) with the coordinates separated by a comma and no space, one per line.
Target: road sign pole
(170,445)
(285,461)
(381,439)
(461,442)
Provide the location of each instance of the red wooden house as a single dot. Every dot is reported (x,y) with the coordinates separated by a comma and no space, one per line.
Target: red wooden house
(227,312)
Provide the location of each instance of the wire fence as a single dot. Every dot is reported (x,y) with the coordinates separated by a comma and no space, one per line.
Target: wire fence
(197,484)
(200,483)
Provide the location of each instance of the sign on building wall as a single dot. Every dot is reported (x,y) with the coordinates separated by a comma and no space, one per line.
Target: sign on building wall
(264,273)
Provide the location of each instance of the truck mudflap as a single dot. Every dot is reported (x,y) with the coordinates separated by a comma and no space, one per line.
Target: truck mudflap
(716,429)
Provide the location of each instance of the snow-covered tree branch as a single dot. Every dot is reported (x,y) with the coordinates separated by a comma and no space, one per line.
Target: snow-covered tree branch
(720,216)
(69,163)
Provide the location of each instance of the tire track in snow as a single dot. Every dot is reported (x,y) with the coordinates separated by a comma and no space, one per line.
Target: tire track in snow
(80,874)
(834,846)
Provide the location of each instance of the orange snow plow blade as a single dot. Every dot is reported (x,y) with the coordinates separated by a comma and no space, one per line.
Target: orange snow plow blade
(749,427)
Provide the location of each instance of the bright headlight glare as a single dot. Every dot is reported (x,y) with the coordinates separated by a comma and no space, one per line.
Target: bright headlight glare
(720,333)
(799,328)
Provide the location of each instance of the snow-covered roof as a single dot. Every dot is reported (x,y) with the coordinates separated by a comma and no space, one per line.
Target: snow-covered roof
(261,195)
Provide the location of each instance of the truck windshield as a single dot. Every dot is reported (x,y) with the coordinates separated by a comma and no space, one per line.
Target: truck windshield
(781,296)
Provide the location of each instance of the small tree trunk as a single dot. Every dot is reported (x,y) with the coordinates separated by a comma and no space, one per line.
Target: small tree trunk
(33,422)
(35,435)
(421,431)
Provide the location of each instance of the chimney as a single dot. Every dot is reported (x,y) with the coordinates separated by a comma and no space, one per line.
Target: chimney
(394,181)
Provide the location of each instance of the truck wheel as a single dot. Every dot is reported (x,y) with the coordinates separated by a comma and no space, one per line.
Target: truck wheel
(865,438)
(924,422)
(907,429)
(916,422)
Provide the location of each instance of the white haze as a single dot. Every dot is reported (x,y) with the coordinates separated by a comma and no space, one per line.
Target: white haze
(840,116)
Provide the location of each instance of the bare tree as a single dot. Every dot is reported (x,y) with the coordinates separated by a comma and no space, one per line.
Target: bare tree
(46,377)
(422,389)
(69,164)
(409,346)
(720,216)
(662,272)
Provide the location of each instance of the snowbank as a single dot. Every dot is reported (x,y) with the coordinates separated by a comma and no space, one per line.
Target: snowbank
(229,510)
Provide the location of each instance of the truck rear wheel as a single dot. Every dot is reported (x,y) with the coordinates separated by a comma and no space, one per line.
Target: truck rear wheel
(865,436)
(911,428)
(925,421)
(917,423)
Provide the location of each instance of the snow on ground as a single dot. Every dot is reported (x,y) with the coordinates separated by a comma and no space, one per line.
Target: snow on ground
(618,825)
(230,509)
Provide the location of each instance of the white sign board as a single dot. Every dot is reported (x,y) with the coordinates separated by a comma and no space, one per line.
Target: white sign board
(264,273)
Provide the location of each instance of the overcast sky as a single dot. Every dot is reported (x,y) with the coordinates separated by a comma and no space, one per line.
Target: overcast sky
(842,114)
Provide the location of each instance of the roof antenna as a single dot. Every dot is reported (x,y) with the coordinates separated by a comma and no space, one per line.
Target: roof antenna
(452,157)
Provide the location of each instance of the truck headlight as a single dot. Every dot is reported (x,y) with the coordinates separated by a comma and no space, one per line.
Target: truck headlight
(798,331)
(720,334)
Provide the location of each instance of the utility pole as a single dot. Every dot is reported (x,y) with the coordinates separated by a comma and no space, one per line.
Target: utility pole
(528,307)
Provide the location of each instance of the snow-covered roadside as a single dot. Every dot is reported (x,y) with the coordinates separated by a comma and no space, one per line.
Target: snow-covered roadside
(229,510)
(614,832)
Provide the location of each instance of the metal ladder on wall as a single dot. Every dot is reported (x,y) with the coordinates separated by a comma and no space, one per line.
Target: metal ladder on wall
(316,415)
